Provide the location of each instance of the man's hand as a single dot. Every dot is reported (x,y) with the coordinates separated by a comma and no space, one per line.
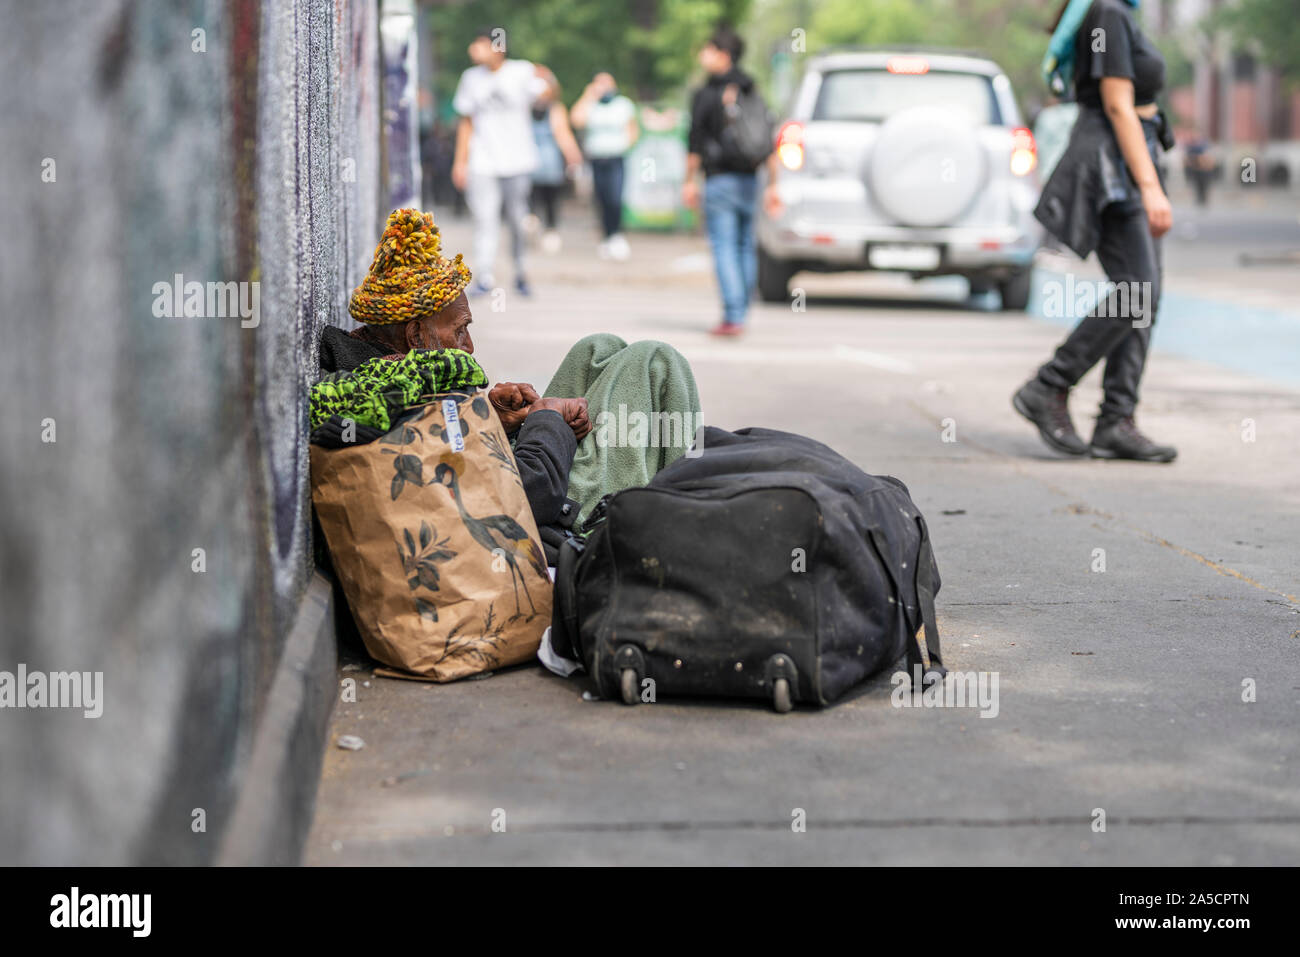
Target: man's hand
(513,401)
(574,412)
(460,175)
(691,194)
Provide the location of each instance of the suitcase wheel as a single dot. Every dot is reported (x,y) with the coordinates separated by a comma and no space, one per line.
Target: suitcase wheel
(781,696)
(628,684)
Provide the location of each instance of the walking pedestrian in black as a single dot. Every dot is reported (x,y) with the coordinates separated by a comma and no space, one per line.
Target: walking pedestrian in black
(1106,194)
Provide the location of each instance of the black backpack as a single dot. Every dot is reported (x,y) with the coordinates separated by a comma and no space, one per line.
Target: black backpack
(747,133)
(768,566)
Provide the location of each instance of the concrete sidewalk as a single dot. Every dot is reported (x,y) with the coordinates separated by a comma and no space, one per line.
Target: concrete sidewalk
(1120,690)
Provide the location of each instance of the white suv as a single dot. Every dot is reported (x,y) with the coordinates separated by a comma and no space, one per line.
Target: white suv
(912,162)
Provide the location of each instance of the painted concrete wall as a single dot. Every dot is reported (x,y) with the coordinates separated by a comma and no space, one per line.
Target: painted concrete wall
(136,149)
(399,67)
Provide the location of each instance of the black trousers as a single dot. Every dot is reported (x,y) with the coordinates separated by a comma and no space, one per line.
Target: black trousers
(1119,328)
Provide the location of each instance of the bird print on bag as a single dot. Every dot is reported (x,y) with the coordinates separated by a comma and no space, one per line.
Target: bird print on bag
(499,534)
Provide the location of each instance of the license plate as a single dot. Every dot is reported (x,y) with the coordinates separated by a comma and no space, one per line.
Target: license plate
(895,256)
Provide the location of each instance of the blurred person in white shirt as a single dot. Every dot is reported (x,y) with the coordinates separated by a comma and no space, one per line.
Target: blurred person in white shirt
(495,151)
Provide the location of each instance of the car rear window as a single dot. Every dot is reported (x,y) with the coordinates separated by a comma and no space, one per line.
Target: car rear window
(872,96)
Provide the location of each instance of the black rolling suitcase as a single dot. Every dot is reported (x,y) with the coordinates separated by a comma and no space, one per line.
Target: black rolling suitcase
(767,567)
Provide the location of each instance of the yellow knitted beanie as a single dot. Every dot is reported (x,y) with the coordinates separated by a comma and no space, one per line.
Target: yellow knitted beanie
(409,277)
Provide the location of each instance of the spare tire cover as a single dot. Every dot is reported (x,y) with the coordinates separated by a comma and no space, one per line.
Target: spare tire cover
(926,167)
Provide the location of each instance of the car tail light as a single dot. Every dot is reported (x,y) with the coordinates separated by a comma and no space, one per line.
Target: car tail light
(1024,151)
(908,64)
(789,145)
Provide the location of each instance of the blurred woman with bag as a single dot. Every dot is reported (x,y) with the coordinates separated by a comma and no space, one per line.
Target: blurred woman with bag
(559,155)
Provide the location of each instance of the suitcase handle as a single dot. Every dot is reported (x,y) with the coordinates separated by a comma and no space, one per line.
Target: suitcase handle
(924,599)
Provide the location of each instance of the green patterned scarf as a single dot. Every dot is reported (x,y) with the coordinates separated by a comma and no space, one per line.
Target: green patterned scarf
(379,389)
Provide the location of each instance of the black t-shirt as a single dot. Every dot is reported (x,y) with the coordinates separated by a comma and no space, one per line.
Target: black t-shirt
(1109,43)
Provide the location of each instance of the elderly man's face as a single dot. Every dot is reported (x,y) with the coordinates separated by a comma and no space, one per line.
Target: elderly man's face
(446,329)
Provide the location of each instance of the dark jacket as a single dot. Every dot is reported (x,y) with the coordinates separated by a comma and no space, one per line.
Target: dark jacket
(1091,176)
(544,445)
(343,351)
(707,120)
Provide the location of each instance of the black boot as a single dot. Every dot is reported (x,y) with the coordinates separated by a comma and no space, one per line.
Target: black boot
(1120,439)
(1048,409)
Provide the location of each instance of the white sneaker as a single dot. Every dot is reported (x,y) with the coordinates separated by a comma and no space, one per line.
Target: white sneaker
(602,249)
(618,248)
(551,242)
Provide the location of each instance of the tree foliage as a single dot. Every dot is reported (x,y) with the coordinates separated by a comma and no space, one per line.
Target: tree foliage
(1013,34)
(649,45)
(1270,29)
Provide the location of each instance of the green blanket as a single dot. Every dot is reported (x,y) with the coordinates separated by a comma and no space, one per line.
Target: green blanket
(644,412)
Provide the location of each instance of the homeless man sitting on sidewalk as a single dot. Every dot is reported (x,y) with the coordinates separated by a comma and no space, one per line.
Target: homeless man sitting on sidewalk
(413,298)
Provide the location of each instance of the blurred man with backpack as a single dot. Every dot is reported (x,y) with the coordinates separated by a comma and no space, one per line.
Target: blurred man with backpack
(731,137)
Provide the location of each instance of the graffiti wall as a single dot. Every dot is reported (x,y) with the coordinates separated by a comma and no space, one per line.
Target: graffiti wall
(187,200)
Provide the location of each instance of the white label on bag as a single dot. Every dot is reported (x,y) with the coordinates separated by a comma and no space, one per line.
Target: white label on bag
(452,417)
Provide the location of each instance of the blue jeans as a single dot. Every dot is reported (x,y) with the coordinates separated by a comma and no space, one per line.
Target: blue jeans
(607,178)
(729,200)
